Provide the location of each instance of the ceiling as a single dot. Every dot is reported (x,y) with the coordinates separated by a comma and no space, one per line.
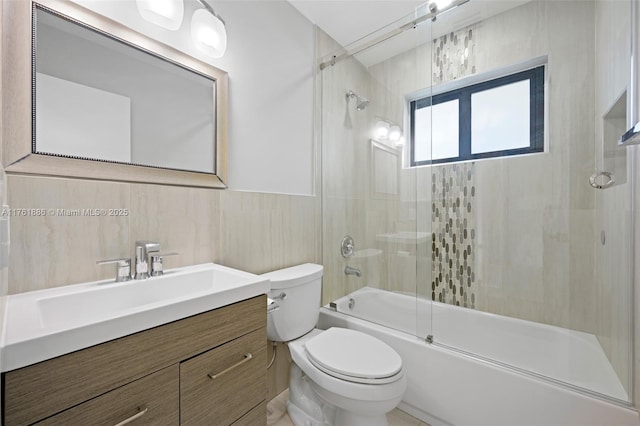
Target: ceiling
(348,21)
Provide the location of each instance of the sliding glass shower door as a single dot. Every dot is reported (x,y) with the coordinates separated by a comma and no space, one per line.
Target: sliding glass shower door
(374,203)
(532,265)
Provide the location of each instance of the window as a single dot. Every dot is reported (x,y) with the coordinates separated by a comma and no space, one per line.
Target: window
(495,118)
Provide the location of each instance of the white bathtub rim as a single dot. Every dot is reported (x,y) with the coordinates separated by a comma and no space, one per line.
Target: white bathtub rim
(543,380)
(596,382)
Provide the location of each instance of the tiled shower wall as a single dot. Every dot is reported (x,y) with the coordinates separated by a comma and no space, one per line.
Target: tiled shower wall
(453,235)
(349,204)
(453,191)
(454,55)
(532,255)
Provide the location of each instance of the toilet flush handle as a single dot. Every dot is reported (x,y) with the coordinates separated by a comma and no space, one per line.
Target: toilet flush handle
(281,296)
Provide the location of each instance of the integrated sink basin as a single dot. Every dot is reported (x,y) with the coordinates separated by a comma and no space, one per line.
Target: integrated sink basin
(43,324)
(105,300)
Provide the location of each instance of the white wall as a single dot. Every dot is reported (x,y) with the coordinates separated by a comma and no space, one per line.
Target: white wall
(270,60)
(67,127)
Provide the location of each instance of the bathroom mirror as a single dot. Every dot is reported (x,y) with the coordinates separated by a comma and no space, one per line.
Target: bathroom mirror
(385,171)
(110,103)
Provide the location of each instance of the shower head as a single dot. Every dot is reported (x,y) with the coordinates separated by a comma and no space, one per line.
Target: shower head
(361,101)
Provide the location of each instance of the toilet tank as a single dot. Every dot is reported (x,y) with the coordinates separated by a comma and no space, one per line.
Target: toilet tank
(297,291)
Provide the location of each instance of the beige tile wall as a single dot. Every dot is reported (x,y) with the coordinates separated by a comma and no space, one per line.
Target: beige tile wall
(539,233)
(249,231)
(535,214)
(56,250)
(263,232)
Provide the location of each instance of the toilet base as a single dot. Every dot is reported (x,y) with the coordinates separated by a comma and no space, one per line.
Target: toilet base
(304,406)
(340,418)
(299,417)
(307,407)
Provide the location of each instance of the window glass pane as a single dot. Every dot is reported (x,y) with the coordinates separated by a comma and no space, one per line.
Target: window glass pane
(500,118)
(436,132)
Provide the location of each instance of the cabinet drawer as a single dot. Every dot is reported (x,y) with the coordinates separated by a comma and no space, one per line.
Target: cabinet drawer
(221,385)
(156,395)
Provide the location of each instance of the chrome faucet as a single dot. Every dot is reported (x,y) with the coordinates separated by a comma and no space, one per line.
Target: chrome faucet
(348,270)
(143,250)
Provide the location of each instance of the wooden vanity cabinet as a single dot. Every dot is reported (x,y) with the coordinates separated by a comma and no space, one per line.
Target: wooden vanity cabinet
(160,375)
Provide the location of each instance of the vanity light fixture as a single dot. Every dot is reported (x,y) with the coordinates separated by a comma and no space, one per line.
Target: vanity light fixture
(208,31)
(381,130)
(395,133)
(388,132)
(164,13)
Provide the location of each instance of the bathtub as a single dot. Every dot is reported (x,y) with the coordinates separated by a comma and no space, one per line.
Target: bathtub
(496,375)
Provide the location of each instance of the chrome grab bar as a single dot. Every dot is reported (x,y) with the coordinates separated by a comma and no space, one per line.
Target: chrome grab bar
(142,411)
(247,358)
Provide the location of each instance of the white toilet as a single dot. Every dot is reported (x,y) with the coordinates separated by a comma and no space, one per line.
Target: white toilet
(338,376)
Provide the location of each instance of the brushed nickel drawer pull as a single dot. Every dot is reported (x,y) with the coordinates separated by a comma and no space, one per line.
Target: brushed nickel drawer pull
(247,357)
(142,411)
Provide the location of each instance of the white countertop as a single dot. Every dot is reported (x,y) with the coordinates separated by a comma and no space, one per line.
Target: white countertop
(44,324)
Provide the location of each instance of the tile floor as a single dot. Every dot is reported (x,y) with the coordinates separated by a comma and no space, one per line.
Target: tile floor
(277,414)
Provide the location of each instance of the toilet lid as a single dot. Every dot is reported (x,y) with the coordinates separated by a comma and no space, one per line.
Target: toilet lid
(354,356)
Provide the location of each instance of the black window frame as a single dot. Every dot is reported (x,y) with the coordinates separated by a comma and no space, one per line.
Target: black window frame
(463,96)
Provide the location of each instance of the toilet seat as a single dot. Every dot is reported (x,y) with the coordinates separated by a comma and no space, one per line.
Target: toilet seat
(323,383)
(353,356)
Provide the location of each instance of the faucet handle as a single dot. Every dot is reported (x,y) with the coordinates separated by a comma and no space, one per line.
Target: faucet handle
(156,263)
(123,268)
